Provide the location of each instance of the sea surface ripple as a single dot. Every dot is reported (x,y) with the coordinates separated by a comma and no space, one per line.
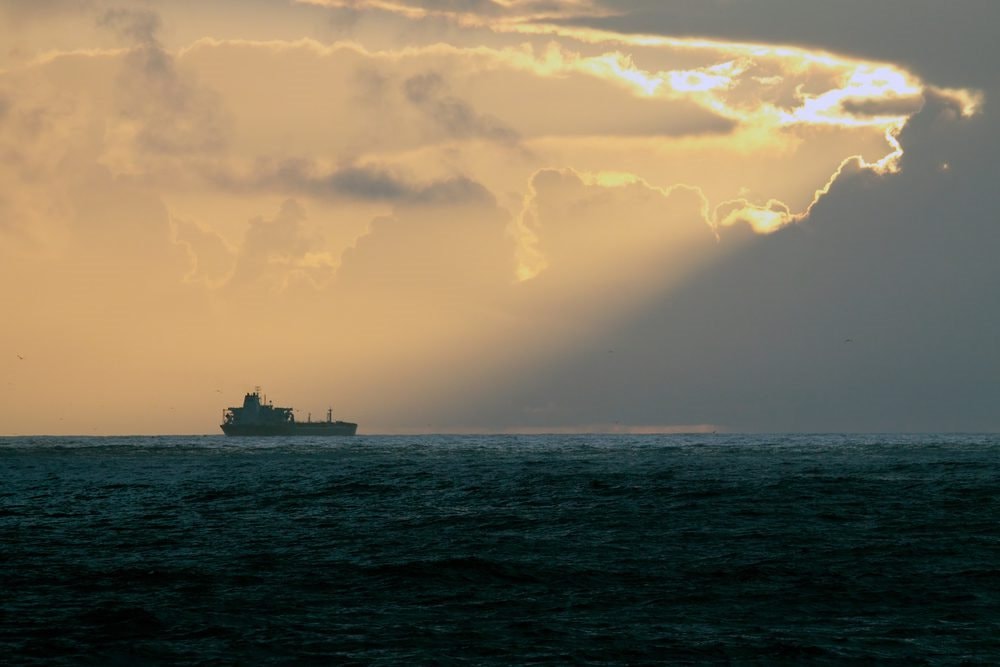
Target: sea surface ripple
(716,549)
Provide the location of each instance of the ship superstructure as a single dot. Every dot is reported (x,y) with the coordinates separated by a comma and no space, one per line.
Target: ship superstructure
(257,416)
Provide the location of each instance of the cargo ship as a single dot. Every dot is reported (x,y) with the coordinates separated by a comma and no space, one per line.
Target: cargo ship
(259,417)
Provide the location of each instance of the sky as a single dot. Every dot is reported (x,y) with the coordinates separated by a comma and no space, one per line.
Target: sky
(500,216)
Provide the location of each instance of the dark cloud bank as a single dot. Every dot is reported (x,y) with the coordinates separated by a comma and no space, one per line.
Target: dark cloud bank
(950,42)
(879,313)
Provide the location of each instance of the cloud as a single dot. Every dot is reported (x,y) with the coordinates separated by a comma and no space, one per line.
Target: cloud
(472,12)
(277,253)
(121,224)
(381,185)
(355,182)
(721,86)
(448,247)
(613,268)
(897,31)
(455,117)
(762,219)
(212,260)
(161,110)
(140,26)
(826,27)
(895,107)
(19,10)
(900,265)
(590,230)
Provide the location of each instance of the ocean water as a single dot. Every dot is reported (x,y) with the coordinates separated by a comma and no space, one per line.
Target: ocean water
(711,549)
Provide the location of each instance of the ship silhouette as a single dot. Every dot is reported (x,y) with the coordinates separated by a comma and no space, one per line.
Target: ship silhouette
(259,417)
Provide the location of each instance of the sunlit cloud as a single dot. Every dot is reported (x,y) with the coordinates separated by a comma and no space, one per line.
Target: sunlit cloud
(763,219)
(709,78)
(863,86)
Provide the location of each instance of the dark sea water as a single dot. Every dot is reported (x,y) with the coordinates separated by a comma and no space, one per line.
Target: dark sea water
(500,550)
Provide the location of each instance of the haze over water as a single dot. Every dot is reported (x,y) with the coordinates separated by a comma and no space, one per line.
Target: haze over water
(500,550)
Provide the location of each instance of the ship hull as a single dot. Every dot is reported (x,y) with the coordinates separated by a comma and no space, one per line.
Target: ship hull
(296,428)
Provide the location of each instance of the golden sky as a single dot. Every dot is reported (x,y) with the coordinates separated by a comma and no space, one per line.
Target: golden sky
(492,215)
